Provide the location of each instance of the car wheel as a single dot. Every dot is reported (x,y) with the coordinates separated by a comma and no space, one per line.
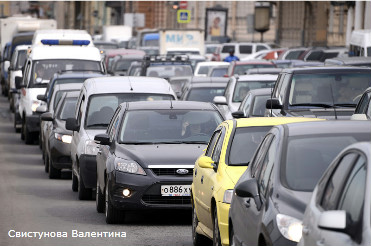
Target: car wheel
(216,232)
(54,173)
(40,143)
(27,135)
(84,193)
(198,239)
(22,130)
(46,163)
(75,181)
(232,239)
(113,215)
(15,126)
(99,199)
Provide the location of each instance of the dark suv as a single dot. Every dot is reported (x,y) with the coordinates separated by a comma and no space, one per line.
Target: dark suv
(323,92)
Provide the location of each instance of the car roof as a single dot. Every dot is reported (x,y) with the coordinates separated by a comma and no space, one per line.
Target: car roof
(253,62)
(350,60)
(22,47)
(325,69)
(212,63)
(45,52)
(209,85)
(257,77)
(329,126)
(69,86)
(199,79)
(131,84)
(175,105)
(271,121)
(72,94)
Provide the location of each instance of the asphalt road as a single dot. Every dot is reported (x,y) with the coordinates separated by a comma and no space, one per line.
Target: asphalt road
(30,202)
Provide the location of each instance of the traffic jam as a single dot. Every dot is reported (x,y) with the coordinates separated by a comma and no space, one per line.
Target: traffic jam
(256,142)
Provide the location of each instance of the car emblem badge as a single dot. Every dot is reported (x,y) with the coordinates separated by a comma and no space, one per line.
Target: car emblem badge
(182,171)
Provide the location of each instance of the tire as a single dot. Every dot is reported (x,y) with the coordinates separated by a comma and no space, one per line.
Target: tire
(40,146)
(22,130)
(46,163)
(232,239)
(16,129)
(198,239)
(26,134)
(113,215)
(99,199)
(75,181)
(54,173)
(216,232)
(83,192)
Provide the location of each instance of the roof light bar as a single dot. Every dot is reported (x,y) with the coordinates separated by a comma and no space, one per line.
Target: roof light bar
(64,42)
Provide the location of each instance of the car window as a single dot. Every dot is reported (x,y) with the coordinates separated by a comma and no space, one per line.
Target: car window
(227,48)
(259,155)
(113,126)
(260,47)
(212,142)
(218,147)
(336,181)
(246,106)
(81,110)
(245,49)
(204,94)
(267,167)
(68,108)
(362,105)
(259,106)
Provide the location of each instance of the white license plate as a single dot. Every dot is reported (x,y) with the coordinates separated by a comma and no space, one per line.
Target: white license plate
(175,190)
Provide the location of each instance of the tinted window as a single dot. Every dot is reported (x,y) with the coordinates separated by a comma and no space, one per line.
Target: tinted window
(168,126)
(68,108)
(244,144)
(307,158)
(267,167)
(245,49)
(315,55)
(218,147)
(243,87)
(212,142)
(227,48)
(293,55)
(335,182)
(204,94)
(101,107)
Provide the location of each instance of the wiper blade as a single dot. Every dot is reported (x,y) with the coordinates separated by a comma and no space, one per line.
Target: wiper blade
(350,105)
(322,105)
(137,143)
(98,124)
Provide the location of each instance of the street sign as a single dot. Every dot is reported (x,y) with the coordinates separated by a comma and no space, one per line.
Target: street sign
(183,4)
(183,16)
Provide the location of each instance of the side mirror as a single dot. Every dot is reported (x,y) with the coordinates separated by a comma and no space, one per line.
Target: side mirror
(6,65)
(205,162)
(333,220)
(41,97)
(359,117)
(18,82)
(249,189)
(221,100)
(103,139)
(41,109)
(178,94)
(238,114)
(71,124)
(47,116)
(273,103)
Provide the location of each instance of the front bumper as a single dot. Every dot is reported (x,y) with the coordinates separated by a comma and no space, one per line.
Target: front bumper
(146,191)
(60,153)
(33,122)
(88,170)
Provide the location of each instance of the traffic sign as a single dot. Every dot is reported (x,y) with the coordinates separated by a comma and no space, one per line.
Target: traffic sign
(183,16)
(183,4)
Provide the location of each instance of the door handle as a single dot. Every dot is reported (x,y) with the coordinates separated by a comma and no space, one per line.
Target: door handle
(305,230)
(321,242)
(247,203)
(202,179)
(99,152)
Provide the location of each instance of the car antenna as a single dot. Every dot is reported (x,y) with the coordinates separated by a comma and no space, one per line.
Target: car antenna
(271,99)
(333,102)
(131,87)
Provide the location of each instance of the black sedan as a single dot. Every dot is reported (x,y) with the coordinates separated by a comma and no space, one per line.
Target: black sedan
(270,198)
(147,155)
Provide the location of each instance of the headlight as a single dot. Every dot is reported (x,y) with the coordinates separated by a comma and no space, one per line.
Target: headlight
(91,147)
(63,138)
(228,196)
(129,166)
(290,228)
(34,106)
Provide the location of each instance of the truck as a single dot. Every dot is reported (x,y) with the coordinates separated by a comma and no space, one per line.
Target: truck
(181,40)
(117,33)
(360,43)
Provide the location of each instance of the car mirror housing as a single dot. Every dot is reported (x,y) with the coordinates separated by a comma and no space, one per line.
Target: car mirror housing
(333,220)
(41,109)
(41,97)
(249,189)
(273,103)
(221,100)
(238,114)
(205,162)
(47,116)
(72,125)
(103,139)
(18,82)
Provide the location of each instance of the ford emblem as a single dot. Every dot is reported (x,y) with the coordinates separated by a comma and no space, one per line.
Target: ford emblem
(182,171)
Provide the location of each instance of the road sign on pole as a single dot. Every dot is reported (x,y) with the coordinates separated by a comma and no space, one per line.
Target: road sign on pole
(183,16)
(183,4)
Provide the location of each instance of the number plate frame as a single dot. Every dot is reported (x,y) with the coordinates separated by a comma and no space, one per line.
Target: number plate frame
(177,190)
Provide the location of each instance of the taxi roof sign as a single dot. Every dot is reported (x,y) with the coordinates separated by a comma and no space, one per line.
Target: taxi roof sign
(183,16)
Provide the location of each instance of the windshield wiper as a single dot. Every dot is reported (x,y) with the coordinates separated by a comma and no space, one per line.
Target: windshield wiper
(322,105)
(98,124)
(350,105)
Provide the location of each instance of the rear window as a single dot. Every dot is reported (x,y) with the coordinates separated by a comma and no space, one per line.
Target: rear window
(245,49)
(219,72)
(243,87)
(205,94)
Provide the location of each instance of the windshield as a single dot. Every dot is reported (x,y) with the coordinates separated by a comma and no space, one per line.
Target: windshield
(369,51)
(244,144)
(308,157)
(67,110)
(259,105)
(101,107)
(106,46)
(22,57)
(167,71)
(219,72)
(43,70)
(242,69)
(335,88)
(123,65)
(243,87)
(204,94)
(168,126)
(210,49)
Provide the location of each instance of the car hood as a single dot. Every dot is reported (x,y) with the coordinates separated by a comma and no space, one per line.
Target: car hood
(323,113)
(92,132)
(161,154)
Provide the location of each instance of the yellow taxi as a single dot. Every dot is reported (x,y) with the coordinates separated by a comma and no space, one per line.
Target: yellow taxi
(216,172)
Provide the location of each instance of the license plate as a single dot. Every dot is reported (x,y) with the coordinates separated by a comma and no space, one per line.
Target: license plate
(175,190)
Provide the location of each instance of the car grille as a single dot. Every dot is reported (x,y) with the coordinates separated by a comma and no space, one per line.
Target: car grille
(158,199)
(171,171)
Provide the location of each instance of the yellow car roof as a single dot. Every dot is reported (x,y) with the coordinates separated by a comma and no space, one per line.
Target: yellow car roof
(272,121)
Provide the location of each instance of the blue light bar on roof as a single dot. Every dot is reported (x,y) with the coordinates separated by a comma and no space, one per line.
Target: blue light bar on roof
(64,42)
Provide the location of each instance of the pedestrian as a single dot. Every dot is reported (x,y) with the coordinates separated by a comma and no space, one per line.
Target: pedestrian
(231,56)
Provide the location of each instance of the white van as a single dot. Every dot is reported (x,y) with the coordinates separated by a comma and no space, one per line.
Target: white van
(61,35)
(360,43)
(40,66)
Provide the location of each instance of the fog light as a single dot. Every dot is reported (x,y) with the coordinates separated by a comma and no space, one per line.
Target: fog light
(126,192)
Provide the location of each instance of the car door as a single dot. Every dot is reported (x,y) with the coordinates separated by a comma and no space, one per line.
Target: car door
(349,198)
(76,135)
(23,99)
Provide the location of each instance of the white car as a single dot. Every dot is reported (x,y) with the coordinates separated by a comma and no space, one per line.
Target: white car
(95,107)
(237,89)
(242,49)
(202,68)
(42,63)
